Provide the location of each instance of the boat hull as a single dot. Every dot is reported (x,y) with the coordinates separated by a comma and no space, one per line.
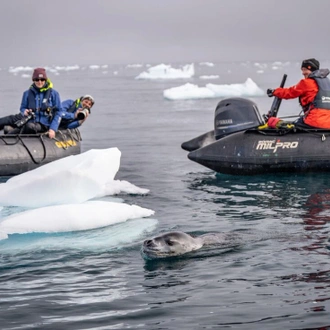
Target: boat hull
(22,153)
(250,152)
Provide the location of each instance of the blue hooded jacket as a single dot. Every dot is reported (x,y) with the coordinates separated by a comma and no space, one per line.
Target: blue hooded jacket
(70,107)
(34,99)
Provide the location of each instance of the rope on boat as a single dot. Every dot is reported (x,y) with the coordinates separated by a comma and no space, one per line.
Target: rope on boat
(43,146)
(19,139)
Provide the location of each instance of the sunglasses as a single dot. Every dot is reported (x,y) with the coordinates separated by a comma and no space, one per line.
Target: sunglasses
(39,79)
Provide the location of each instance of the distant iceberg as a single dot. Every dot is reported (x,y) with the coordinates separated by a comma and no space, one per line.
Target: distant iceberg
(163,71)
(190,91)
(210,64)
(212,76)
(137,65)
(18,69)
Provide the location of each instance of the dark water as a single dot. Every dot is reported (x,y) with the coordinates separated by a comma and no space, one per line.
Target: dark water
(278,277)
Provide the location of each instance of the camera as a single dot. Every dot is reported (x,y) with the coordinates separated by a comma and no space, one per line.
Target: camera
(24,120)
(83,113)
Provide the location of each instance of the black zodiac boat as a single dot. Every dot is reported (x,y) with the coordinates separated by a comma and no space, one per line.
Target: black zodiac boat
(24,152)
(240,145)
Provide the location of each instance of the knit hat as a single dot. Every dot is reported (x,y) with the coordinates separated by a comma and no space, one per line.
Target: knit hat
(311,64)
(88,97)
(39,73)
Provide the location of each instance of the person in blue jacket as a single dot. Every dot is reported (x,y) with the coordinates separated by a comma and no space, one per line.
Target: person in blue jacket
(75,112)
(40,110)
(43,104)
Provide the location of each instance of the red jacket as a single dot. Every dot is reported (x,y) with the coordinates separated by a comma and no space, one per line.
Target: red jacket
(306,90)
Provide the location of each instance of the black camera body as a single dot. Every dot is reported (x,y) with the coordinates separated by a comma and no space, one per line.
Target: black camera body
(83,113)
(24,120)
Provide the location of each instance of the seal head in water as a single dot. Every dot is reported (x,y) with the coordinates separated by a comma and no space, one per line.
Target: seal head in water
(175,243)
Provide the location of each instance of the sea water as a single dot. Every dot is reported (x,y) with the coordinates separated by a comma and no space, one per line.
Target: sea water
(276,278)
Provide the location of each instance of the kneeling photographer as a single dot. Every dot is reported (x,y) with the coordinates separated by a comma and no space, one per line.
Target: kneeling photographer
(75,112)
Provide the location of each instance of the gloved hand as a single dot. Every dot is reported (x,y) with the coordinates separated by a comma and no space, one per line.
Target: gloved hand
(274,122)
(270,92)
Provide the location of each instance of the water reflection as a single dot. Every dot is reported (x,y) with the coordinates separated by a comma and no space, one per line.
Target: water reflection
(303,197)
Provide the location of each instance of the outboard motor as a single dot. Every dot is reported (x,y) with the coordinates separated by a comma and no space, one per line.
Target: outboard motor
(234,115)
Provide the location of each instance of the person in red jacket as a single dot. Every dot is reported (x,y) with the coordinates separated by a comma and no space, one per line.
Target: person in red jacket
(314,95)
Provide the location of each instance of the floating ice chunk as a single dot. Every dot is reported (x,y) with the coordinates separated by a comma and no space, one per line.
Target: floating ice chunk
(210,64)
(163,71)
(70,217)
(65,68)
(249,88)
(116,186)
(209,77)
(190,91)
(134,65)
(73,179)
(19,69)
(102,239)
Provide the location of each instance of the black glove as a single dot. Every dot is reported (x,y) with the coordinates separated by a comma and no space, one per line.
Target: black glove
(270,92)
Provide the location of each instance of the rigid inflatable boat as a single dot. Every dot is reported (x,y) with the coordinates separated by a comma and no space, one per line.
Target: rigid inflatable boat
(240,143)
(24,152)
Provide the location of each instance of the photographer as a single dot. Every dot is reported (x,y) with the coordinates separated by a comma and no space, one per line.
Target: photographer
(40,111)
(75,112)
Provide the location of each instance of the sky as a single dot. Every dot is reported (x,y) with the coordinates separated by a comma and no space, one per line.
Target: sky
(63,32)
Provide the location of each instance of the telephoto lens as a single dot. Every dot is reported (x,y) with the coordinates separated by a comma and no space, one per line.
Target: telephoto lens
(82,114)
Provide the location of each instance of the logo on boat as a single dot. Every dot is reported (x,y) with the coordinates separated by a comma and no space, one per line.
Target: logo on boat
(325,99)
(225,121)
(274,145)
(65,144)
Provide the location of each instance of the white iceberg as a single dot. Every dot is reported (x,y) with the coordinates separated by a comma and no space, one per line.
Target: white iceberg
(71,217)
(190,91)
(163,71)
(74,179)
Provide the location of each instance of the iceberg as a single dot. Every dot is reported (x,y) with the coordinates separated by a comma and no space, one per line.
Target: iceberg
(163,71)
(74,179)
(71,217)
(190,91)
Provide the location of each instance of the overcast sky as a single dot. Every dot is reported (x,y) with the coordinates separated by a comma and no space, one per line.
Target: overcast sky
(63,32)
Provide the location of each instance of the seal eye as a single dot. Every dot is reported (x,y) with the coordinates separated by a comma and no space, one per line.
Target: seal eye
(170,243)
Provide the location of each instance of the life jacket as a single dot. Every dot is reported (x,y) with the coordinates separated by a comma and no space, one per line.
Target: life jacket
(322,98)
(32,98)
(74,106)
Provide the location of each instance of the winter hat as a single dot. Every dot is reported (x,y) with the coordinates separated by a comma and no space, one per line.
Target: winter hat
(310,64)
(88,97)
(39,73)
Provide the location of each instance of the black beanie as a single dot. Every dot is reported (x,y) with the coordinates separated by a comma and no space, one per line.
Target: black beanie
(310,64)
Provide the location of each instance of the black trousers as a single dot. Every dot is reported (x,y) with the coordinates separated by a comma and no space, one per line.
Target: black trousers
(29,128)
(10,120)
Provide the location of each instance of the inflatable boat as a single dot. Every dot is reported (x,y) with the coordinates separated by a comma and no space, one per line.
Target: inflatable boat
(24,152)
(241,143)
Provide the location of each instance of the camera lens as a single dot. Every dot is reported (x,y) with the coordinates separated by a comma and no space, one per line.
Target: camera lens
(82,114)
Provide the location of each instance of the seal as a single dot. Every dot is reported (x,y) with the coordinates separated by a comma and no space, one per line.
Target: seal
(172,244)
